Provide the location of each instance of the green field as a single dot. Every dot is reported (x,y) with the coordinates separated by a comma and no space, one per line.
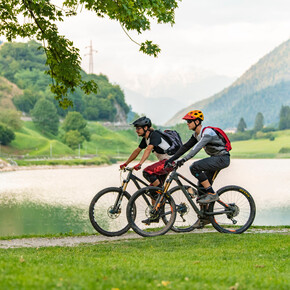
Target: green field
(263,148)
(260,148)
(119,144)
(30,142)
(191,261)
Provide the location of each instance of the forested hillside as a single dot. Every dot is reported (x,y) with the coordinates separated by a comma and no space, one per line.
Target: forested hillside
(24,65)
(8,91)
(264,88)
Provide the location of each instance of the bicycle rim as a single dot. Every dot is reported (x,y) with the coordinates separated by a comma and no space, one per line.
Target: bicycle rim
(138,211)
(102,217)
(243,214)
(185,214)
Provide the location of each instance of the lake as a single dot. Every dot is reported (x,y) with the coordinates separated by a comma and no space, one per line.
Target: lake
(43,201)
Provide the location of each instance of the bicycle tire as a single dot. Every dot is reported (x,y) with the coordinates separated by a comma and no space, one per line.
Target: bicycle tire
(103,222)
(244,213)
(138,210)
(185,214)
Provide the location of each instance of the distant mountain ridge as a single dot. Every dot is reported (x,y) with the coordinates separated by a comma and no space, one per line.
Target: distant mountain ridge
(264,88)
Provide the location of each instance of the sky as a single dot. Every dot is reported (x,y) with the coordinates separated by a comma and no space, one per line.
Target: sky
(210,38)
(221,36)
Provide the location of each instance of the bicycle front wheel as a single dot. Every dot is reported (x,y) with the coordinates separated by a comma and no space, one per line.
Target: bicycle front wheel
(106,216)
(140,217)
(185,214)
(242,210)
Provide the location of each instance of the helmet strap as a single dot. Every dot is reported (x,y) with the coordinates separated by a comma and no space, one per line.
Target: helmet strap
(145,131)
(195,124)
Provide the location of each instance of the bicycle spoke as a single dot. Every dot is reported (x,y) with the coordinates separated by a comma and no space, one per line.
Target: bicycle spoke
(185,214)
(106,217)
(241,207)
(145,222)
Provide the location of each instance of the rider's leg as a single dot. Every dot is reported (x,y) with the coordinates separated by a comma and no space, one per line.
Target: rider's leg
(200,223)
(154,171)
(152,178)
(201,167)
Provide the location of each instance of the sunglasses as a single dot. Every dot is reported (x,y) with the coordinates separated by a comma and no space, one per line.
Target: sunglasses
(189,121)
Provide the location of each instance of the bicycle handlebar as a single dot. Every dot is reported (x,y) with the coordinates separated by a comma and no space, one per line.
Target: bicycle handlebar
(127,169)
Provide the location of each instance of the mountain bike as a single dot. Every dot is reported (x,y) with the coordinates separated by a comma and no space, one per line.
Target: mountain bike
(233,213)
(107,210)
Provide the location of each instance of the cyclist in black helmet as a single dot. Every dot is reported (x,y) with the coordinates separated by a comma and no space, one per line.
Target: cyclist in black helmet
(152,141)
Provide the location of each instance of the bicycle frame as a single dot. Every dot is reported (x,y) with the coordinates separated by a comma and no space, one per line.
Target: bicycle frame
(136,180)
(132,177)
(201,213)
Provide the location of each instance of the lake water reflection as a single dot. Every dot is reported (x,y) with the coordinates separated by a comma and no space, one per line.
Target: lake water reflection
(56,200)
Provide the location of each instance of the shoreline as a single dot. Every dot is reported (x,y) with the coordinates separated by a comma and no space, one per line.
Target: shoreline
(39,167)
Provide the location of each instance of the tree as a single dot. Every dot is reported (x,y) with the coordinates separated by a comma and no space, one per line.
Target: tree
(284,122)
(242,125)
(44,115)
(73,139)
(74,121)
(25,102)
(63,58)
(259,122)
(6,135)
(11,118)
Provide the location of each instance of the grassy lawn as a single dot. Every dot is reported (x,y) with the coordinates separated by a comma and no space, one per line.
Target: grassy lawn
(259,148)
(192,261)
(119,144)
(262,148)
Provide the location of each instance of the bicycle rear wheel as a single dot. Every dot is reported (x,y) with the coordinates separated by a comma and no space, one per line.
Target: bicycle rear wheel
(139,212)
(242,214)
(105,217)
(185,214)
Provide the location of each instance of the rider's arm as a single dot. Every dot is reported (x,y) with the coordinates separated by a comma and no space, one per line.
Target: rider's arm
(134,154)
(146,154)
(184,148)
(205,139)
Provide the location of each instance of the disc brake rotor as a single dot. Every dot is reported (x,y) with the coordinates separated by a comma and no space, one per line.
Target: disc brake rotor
(112,214)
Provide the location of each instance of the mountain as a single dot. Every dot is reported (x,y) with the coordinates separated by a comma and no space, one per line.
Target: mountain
(264,88)
(171,91)
(151,106)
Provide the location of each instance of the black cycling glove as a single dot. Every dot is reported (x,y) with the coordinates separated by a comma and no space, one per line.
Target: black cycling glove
(168,162)
(180,162)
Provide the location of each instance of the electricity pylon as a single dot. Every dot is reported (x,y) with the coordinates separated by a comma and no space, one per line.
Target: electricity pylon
(91,59)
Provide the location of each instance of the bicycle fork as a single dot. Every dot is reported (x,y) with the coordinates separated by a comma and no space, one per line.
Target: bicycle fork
(117,205)
(160,199)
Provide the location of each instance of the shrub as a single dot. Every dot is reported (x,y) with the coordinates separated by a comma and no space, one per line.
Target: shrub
(6,135)
(284,150)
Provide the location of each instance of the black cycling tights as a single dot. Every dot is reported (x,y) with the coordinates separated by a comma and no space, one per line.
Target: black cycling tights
(152,177)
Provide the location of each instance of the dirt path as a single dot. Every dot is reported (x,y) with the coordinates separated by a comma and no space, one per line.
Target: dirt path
(95,239)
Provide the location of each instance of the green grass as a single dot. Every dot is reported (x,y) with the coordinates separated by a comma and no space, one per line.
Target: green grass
(30,141)
(259,148)
(119,144)
(192,261)
(262,148)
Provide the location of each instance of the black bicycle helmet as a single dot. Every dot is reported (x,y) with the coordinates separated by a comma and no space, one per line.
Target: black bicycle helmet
(142,122)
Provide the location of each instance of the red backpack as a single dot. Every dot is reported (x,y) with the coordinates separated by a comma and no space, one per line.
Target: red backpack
(222,135)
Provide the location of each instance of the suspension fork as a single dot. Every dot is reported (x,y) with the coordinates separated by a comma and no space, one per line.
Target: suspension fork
(119,199)
(161,196)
